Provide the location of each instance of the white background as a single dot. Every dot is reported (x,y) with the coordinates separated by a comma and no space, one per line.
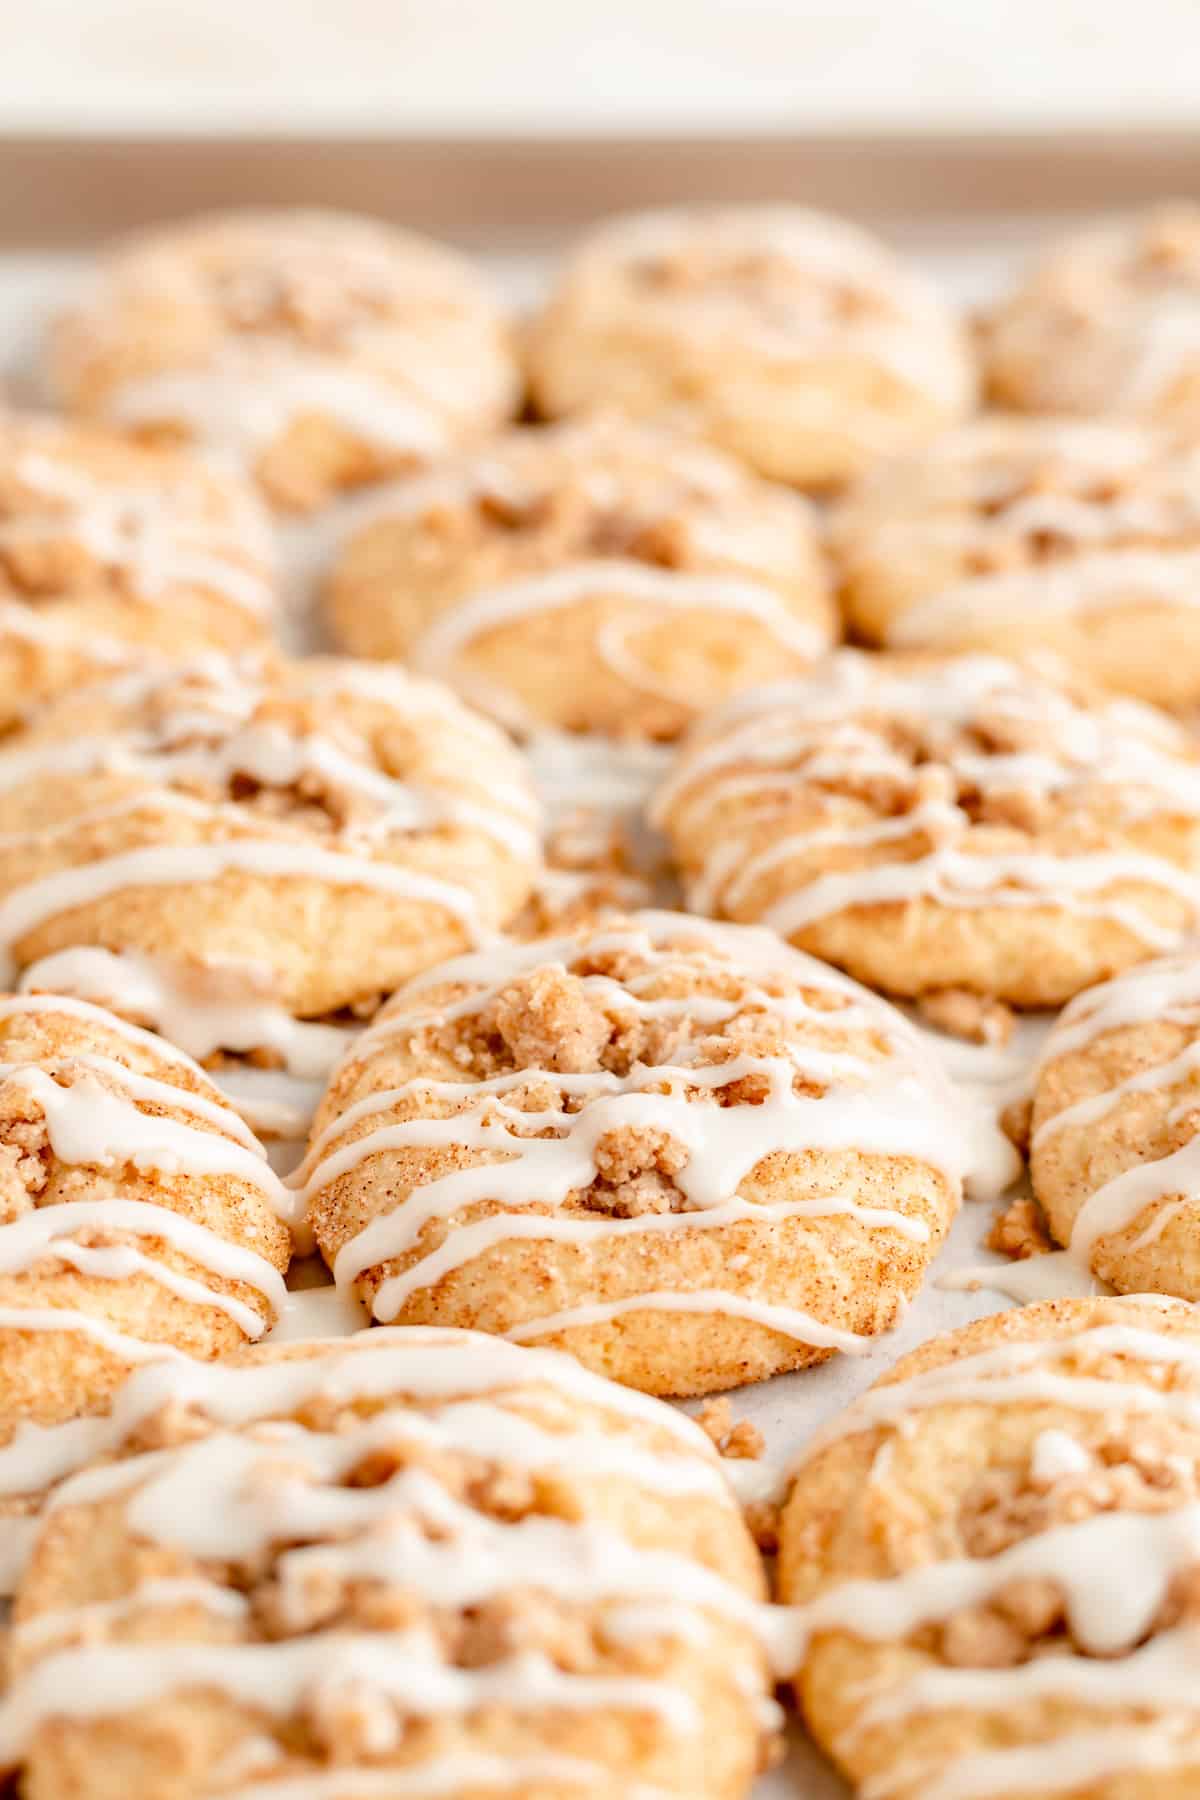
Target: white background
(531,65)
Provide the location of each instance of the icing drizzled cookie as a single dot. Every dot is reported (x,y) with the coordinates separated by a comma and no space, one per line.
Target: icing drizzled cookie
(1106,322)
(137,1213)
(422,1563)
(1018,534)
(604,576)
(794,340)
(679,1150)
(1113,1153)
(324,350)
(327,827)
(108,552)
(959,823)
(993,1561)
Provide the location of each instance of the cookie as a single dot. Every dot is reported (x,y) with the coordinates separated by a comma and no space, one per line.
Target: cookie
(1046,534)
(324,350)
(137,1214)
(1107,322)
(794,340)
(605,576)
(329,827)
(679,1150)
(1113,1153)
(108,551)
(932,823)
(420,1563)
(992,1557)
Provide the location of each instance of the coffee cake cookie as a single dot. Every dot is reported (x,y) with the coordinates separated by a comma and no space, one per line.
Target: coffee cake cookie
(944,823)
(794,340)
(328,827)
(604,576)
(1113,1152)
(1106,322)
(421,1563)
(137,1214)
(108,551)
(325,350)
(679,1150)
(993,1559)
(1018,534)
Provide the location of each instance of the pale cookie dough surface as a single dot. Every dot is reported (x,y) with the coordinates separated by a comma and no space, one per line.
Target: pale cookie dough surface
(676,1149)
(108,551)
(419,1563)
(1114,1156)
(603,575)
(137,1212)
(930,823)
(328,827)
(994,1554)
(1106,322)
(324,350)
(1013,534)
(792,339)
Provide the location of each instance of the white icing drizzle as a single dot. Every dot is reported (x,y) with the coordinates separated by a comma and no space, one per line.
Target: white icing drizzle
(407,1361)
(1055,1275)
(210,1498)
(789,1321)
(1105,1617)
(790,738)
(404,1668)
(176,865)
(49,1234)
(244,397)
(160,1594)
(159,537)
(318,1312)
(445,644)
(898,1105)
(1081,584)
(1166,991)
(1017,1372)
(1060,1765)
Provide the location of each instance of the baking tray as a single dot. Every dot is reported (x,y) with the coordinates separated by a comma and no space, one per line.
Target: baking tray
(968,208)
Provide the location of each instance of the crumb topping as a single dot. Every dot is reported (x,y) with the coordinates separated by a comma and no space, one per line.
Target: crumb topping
(1019,1230)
